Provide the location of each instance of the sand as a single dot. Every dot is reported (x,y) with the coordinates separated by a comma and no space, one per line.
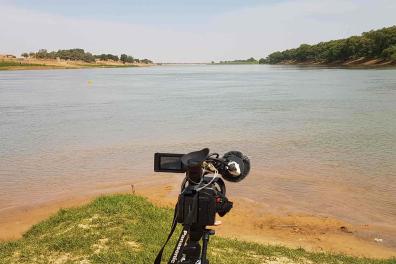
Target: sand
(45,64)
(315,233)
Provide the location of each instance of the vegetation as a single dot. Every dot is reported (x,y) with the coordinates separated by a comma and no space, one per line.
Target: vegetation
(6,64)
(129,229)
(107,57)
(375,44)
(247,61)
(71,54)
(127,59)
(22,65)
(81,55)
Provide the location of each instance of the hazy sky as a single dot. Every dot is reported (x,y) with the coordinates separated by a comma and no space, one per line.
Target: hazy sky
(184,30)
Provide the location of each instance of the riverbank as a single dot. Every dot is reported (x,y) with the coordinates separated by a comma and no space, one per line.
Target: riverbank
(125,228)
(247,221)
(355,63)
(37,64)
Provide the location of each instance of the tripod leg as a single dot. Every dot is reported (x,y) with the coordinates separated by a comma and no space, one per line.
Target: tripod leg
(192,250)
(205,241)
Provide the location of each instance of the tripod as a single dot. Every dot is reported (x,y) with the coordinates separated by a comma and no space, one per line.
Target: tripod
(192,253)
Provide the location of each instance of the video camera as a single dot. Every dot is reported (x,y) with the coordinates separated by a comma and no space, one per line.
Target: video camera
(202,195)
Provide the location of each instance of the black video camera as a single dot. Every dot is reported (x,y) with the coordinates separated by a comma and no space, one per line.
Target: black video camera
(203,194)
(233,166)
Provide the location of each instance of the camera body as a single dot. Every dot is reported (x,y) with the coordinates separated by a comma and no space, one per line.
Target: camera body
(210,200)
(208,192)
(206,207)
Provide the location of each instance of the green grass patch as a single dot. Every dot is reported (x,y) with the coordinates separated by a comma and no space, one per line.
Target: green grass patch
(129,229)
(16,63)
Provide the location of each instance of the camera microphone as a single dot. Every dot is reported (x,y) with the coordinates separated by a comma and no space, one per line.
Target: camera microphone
(238,166)
(234,168)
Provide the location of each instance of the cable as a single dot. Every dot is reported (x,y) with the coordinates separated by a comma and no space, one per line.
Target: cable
(216,174)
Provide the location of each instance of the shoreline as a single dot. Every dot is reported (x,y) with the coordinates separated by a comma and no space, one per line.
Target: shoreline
(361,63)
(35,64)
(47,67)
(245,221)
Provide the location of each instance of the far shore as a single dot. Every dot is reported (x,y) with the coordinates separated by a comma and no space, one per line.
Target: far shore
(314,233)
(357,63)
(10,64)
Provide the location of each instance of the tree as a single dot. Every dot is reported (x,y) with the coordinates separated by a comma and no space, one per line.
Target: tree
(389,53)
(42,54)
(123,58)
(130,59)
(262,61)
(25,55)
(88,57)
(146,61)
(106,57)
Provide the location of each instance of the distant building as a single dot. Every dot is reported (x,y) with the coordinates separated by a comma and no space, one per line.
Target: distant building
(7,56)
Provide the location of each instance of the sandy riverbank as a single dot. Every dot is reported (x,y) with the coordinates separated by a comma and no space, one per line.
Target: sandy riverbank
(244,222)
(43,64)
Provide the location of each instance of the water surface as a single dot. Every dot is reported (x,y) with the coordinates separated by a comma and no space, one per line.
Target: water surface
(321,140)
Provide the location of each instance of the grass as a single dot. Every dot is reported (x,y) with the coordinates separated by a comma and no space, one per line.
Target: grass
(7,64)
(129,229)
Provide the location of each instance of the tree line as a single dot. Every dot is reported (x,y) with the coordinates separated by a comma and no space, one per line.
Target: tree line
(375,44)
(81,55)
(247,61)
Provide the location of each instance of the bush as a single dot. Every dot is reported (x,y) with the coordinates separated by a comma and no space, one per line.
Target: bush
(389,53)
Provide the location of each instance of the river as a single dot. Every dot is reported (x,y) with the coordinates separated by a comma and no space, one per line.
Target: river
(321,140)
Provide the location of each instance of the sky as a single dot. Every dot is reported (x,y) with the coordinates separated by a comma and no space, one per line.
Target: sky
(185,30)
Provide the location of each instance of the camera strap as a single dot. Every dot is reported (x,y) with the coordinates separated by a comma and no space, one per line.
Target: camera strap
(178,250)
(173,227)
